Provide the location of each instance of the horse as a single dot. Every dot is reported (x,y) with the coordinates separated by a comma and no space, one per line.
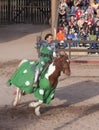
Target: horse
(47,81)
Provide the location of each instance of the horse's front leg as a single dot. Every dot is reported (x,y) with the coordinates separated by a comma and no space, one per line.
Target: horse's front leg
(17,97)
(36,105)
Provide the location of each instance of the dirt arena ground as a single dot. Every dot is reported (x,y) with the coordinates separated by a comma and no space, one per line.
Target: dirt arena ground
(76,103)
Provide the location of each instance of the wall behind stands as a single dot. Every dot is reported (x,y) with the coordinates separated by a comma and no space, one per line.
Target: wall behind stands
(25,11)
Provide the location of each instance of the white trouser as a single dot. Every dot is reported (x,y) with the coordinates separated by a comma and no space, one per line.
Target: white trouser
(36,74)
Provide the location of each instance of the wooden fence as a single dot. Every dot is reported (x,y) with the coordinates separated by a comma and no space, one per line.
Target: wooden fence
(70,50)
(25,11)
(85,47)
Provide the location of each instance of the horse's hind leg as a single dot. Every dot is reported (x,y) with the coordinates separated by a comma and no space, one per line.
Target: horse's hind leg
(17,97)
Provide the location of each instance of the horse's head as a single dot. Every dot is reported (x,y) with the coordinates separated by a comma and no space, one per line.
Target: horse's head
(64,63)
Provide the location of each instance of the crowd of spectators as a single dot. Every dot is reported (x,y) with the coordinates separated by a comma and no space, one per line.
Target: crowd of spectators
(78,20)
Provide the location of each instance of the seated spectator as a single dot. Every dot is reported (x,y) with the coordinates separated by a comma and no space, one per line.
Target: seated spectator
(76,38)
(62,13)
(70,36)
(82,34)
(71,27)
(97,15)
(65,30)
(90,22)
(76,27)
(62,3)
(60,35)
(90,11)
(70,3)
(78,13)
(97,29)
(97,12)
(85,30)
(86,17)
(85,4)
(94,4)
(63,22)
(81,22)
(77,3)
(92,37)
(72,19)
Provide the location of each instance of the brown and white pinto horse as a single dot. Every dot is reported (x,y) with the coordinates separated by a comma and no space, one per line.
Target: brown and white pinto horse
(59,64)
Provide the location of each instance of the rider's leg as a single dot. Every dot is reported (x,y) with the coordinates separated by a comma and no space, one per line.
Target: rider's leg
(36,74)
(38,70)
(42,63)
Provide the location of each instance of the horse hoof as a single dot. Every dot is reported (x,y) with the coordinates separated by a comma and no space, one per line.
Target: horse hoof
(37,112)
(14,104)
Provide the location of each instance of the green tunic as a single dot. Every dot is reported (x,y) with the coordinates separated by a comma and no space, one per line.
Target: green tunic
(46,54)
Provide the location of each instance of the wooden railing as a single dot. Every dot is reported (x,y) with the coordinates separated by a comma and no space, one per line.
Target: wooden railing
(70,49)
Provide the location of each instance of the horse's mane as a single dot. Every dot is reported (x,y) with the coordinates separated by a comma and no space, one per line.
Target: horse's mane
(57,63)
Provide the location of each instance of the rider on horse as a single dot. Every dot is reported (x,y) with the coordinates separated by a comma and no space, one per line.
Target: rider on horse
(47,52)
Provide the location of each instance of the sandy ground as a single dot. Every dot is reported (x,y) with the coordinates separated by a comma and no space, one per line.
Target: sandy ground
(76,103)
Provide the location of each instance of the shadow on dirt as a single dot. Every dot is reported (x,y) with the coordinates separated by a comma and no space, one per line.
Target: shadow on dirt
(75,93)
(22,115)
(11,118)
(78,92)
(16,31)
(88,110)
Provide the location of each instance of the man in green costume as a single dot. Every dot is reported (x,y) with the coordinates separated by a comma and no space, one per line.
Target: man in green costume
(47,52)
